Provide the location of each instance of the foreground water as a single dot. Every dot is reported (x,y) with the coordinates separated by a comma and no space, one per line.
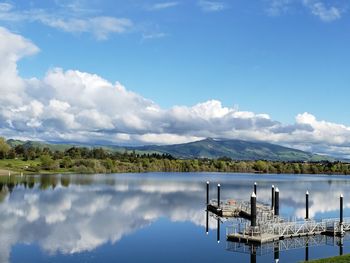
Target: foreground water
(147,217)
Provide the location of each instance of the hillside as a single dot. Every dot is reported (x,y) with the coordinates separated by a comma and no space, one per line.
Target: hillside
(235,149)
(208,148)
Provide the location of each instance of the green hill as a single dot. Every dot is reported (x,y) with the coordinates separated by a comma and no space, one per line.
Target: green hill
(208,148)
(235,149)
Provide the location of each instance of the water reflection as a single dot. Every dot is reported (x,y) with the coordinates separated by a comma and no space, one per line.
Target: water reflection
(77,213)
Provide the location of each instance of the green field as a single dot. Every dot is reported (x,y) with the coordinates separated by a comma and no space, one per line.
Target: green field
(17,166)
(340,259)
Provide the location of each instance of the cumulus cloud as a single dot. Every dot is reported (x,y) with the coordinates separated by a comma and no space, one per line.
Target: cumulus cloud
(100,26)
(70,105)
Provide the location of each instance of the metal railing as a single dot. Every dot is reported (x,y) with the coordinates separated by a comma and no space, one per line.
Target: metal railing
(290,228)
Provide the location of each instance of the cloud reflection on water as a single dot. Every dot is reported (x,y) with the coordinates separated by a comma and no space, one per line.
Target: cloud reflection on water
(77,214)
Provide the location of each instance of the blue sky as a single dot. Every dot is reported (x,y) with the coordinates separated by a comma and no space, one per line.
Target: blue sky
(280,58)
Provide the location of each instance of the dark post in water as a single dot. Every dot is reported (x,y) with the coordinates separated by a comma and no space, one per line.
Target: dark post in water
(341,219)
(307,250)
(307,205)
(272,197)
(218,195)
(277,202)
(253,209)
(207,192)
(255,185)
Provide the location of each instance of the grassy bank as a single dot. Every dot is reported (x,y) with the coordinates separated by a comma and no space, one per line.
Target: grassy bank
(17,166)
(340,259)
(129,163)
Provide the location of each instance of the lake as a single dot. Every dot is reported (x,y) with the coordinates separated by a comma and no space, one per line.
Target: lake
(154,217)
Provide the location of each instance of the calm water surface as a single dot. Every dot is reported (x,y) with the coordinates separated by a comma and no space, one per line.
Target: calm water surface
(147,217)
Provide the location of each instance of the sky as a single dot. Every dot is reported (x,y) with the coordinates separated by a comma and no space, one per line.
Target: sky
(161,72)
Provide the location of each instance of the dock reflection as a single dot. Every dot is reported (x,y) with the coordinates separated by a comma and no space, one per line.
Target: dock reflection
(276,247)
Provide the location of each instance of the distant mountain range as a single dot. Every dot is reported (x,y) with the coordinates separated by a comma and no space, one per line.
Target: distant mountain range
(208,148)
(235,149)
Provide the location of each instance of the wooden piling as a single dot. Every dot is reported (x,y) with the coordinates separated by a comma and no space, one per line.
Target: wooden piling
(218,195)
(255,188)
(207,192)
(307,205)
(253,209)
(277,202)
(272,197)
(341,216)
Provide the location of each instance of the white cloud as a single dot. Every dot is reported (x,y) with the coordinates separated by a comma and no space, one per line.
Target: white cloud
(211,6)
(325,13)
(100,26)
(77,106)
(163,5)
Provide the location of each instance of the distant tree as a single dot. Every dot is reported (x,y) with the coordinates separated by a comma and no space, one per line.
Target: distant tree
(109,164)
(73,153)
(19,150)
(4,148)
(66,162)
(11,154)
(260,166)
(46,162)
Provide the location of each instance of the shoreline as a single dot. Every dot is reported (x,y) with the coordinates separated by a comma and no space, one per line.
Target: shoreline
(5,172)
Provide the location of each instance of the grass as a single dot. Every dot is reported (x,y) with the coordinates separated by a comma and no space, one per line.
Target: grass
(16,166)
(340,259)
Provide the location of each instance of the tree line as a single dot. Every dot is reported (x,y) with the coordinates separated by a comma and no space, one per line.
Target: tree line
(99,160)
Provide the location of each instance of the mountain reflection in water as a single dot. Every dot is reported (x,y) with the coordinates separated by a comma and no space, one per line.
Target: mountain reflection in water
(70,214)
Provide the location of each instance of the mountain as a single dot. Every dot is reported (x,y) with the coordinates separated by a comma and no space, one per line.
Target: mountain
(208,148)
(235,149)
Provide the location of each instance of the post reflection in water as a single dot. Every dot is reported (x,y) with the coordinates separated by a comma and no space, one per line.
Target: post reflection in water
(207,222)
(76,214)
(252,253)
(341,244)
(276,251)
(218,230)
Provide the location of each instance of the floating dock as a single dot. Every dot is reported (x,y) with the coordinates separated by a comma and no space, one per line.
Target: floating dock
(273,231)
(239,209)
(263,223)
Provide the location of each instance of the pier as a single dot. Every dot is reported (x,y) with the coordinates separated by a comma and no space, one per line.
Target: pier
(263,224)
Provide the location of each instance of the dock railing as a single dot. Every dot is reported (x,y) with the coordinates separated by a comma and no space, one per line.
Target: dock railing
(289,228)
